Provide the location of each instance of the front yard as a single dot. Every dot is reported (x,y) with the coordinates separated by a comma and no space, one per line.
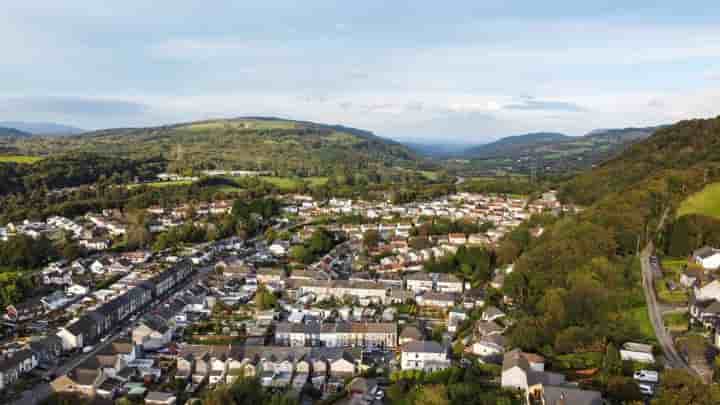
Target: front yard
(672,269)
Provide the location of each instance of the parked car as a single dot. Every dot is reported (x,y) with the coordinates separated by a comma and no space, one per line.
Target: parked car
(647,376)
(646,389)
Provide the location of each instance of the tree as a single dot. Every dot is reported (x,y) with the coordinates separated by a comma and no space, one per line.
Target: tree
(264,299)
(679,387)
(371,238)
(623,389)
(612,363)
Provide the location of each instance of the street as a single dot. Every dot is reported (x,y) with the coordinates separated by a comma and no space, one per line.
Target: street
(672,358)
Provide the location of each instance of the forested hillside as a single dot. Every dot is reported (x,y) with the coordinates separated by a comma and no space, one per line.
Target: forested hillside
(282,146)
(578,285)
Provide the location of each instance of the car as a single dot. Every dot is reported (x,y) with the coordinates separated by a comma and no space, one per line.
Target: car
(380,395)
(646,376)
(87,349)
(646,389)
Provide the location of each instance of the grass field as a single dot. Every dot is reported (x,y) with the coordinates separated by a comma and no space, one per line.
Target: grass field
(705,202)
(19,159)
(676,322)
(640,317)
(291,183)
(161,184)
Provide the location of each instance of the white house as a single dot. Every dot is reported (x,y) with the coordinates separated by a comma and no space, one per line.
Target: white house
(707,257)
(424,355)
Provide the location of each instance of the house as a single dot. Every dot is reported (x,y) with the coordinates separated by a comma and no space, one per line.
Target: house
(279,248)
(342,364)
(15,364)
(424,355)
(437,299)
(152,333)
(638,352)
(691,276)
(707,257)
(47,349)
(448,283)
(457,238)
(419,282)
(489,346)
(524,370)
(160,398)
(492,313)
(487,328)
(708,292)
(410,333)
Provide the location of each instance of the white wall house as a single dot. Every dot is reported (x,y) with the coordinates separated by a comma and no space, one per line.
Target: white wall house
(424,355)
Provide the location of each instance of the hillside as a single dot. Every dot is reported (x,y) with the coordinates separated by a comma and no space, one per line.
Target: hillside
(42,128)
(671,154)
(553,152)
(253,143)
(516,145)
(12,132)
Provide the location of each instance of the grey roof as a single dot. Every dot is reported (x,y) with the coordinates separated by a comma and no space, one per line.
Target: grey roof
(423,346)
(703,252)
(412,332)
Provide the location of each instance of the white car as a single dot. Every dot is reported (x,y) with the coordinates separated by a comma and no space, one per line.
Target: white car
(647,376)
(646,389)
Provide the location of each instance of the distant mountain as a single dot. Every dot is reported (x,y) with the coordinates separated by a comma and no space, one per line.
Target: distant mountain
(512,145)
(554,152)
(255,143)
(436,150)
(13,132)
(42,128)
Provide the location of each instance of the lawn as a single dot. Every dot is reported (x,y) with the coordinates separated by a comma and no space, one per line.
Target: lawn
(676,322)
(19,159)
(705,202)
(291,183)
(639,316)
(578,361)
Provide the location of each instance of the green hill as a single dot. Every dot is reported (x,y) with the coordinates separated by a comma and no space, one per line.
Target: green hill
(253,143)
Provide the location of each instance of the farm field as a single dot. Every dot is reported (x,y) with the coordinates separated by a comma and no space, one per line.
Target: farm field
(19,159)
(705,202)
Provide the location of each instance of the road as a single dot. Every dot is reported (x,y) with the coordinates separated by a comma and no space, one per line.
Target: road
(672,358)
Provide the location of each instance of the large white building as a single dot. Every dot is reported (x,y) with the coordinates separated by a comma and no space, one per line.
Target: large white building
(424,355)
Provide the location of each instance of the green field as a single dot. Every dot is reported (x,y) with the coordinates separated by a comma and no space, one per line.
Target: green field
(676,322)
(19,159)
(640,317)
(161,184)
(705,202)
(291,183)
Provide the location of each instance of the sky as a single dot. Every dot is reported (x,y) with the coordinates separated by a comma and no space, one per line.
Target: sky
(433,71)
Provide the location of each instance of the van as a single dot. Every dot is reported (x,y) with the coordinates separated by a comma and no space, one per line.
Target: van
(647,376)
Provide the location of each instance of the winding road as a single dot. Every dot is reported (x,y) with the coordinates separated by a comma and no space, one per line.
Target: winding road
(672,358)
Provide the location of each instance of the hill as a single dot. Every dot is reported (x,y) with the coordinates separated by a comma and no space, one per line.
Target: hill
(672,153)
(42,128)
(515,145)
(250,143)
(12,132)
(554,152)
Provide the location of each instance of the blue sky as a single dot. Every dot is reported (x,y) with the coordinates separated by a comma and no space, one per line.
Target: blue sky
(454,71)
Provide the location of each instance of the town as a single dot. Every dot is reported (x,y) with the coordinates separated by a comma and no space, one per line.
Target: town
(168,325)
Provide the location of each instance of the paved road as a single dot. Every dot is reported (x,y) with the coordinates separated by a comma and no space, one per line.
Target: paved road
(672,358)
